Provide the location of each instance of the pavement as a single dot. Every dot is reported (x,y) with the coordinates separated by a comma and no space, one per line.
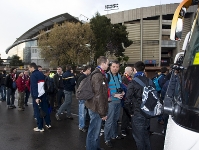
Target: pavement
(16,132)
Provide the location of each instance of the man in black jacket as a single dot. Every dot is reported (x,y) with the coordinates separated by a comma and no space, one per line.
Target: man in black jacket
(84,74)
(10,78)
(126,78)
(69,86)
(3,88)
(59,86)
(133,103)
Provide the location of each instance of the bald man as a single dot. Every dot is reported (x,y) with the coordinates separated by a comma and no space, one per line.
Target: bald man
(126,78)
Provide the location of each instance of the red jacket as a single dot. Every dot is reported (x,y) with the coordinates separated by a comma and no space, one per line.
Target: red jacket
(20,83)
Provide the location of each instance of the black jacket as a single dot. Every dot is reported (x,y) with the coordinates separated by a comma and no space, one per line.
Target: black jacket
(58,82)
(69,81)
(134,96)
(3,77)
(9,81)
(81,77)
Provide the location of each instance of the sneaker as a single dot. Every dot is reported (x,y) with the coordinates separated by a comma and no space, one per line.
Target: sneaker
(20,109)
(13,106)
(129,127)
(123,133)
(102,131)
(57,116)
(69,117)
(48,126)
(108,143)
(117,138)
(38,130)
(83,129)
(10,107)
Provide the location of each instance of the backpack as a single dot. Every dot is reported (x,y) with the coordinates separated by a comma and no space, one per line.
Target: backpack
(156,82)
(150,106)
(85,89)
(49,85)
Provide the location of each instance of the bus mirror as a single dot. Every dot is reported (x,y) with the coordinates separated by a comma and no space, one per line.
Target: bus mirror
(177,24)
(178,32)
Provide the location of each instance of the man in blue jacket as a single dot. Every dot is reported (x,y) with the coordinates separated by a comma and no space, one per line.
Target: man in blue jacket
(39,97)
(69,86)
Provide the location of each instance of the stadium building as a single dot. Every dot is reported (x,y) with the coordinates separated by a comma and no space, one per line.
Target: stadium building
(148,27)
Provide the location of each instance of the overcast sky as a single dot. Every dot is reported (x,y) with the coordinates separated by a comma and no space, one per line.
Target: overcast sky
(18,16)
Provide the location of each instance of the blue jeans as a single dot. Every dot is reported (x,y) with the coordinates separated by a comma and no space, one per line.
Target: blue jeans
(27,94)
(140,132)
(10,96)
(3,92)
(93,138)
(110,128)
(67,103)
(82,114)
(44,107)
(60,95)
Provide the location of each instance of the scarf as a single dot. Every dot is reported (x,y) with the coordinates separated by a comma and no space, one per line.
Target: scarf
(139,73)
(102,71)
(128,77)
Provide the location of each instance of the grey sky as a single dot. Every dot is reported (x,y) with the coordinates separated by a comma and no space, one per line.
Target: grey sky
(18,16)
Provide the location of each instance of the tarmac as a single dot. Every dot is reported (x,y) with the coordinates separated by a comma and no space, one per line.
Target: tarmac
(16,132)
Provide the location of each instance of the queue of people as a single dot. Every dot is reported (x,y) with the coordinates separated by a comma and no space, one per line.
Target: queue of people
(112,93)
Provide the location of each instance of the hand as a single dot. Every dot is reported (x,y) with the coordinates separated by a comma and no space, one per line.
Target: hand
(104,118)
(37,101)
(120,96)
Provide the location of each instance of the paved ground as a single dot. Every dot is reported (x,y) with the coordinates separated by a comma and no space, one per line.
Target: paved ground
(16,132)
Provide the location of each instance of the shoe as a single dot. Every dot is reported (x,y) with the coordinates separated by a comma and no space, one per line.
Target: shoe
(117,138)
(129,127)
(69,117)
(102,131)
(57,116)
(20,109)
(108,143)
(48,126)
(13,106)
(10,107)
(38,130)
(83,129)
(123,133)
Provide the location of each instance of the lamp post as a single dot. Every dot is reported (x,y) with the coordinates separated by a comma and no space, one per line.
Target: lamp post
(84,17)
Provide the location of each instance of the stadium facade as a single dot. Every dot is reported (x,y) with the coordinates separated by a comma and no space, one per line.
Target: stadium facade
(148,27)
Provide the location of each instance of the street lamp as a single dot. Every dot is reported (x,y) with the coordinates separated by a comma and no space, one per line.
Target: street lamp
(84,17)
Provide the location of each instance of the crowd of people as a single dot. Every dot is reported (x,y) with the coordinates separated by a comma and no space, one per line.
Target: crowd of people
(112,93)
